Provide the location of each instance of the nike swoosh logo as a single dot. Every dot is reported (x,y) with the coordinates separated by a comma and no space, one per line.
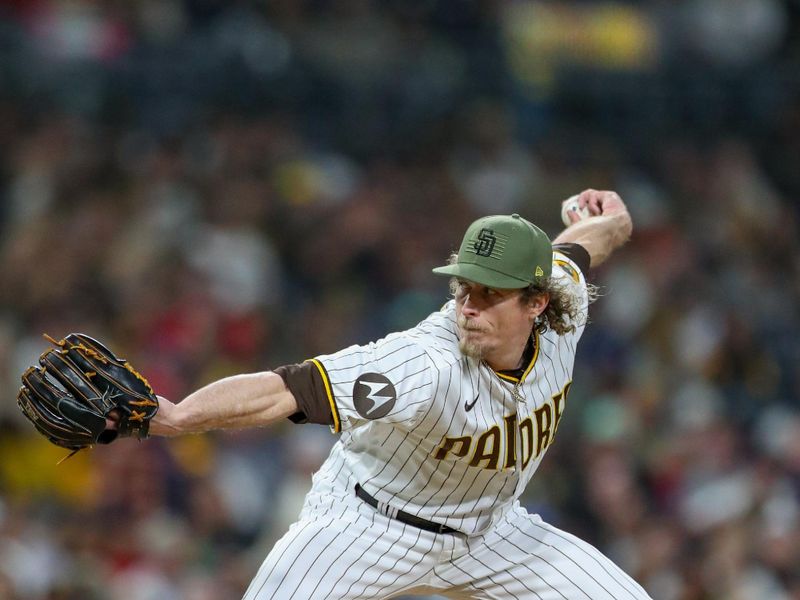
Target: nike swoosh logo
(467,406)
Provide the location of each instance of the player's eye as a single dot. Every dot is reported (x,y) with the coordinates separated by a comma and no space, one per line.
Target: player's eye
(491,294)
(462,289)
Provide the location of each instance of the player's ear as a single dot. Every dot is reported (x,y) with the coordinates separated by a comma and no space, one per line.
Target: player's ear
(537,304)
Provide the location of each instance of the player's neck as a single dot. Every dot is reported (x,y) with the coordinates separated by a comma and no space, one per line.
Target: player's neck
(509,358)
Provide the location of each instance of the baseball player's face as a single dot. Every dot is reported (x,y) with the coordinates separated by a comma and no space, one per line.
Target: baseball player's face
(493,324)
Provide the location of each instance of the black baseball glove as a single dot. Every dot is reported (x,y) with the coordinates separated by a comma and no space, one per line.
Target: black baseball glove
(78,384)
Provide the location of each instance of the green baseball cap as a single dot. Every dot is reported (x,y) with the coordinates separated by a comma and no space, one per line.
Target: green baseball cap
(502,251)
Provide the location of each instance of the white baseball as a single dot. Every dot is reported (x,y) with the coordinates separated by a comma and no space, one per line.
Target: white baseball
(571,205)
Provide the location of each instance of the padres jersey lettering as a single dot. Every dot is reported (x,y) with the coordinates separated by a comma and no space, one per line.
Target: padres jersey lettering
(546,418)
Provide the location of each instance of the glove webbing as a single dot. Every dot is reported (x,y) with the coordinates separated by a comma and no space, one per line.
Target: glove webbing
(66,347)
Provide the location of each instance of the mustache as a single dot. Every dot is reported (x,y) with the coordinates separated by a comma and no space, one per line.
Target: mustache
(467,325)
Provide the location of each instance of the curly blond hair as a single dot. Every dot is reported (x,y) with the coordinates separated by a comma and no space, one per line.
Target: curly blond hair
(563,313)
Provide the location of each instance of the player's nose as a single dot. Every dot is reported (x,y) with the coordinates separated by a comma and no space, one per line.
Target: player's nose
(468,307)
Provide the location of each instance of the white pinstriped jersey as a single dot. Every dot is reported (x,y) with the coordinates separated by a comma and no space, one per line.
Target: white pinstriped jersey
(440,435)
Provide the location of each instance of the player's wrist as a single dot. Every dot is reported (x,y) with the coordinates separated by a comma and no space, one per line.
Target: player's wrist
(624,225)
(166,423)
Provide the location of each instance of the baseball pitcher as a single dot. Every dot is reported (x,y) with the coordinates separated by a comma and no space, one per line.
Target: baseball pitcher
(441,428)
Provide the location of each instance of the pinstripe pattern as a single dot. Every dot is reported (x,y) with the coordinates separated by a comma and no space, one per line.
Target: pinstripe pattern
(456,445)
(523,557)
(352,551)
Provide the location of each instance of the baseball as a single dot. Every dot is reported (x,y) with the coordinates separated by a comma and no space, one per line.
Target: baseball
(571,205)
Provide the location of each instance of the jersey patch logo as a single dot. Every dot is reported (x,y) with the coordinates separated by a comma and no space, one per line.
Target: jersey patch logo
(568,268)
(468,407)
(373,395)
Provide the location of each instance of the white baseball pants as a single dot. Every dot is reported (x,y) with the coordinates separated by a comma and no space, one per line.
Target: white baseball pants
(353,551)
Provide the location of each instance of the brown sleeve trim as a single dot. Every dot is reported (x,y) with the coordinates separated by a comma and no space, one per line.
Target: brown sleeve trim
(311,388)
(576,253)
(334,412)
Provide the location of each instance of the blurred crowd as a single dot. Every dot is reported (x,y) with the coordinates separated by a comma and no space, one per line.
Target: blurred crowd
(223,187)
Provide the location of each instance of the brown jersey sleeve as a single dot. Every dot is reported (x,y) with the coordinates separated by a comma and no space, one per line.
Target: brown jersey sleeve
(306,383)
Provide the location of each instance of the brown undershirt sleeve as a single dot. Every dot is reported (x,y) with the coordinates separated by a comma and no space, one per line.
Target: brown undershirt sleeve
(306,384)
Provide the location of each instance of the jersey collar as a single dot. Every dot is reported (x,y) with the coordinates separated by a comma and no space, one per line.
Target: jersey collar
(534,354)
